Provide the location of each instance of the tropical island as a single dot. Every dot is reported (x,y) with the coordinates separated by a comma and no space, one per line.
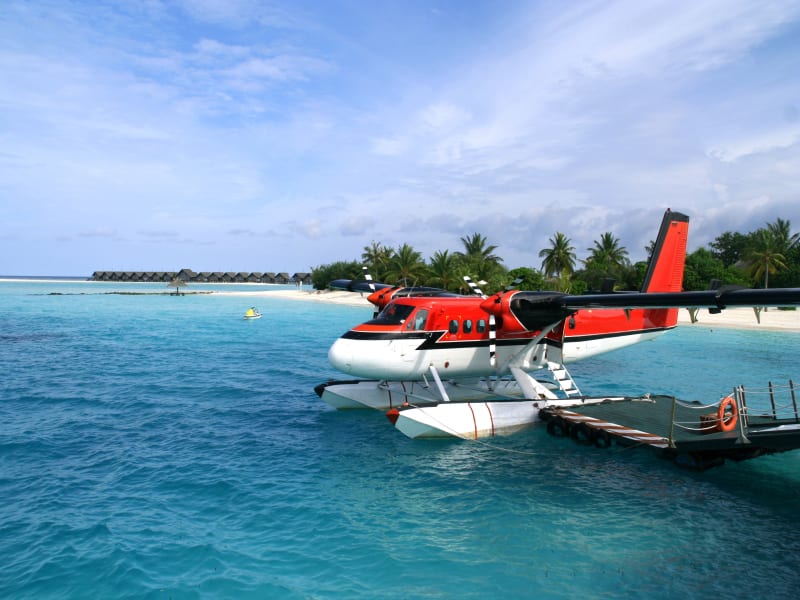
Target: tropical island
(766,257)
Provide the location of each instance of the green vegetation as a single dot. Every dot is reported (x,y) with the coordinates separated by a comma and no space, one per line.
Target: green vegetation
(767,257)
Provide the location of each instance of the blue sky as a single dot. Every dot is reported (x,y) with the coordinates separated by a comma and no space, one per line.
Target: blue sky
(244,135)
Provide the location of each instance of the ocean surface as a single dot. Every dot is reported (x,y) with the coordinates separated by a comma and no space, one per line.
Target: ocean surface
(154,446)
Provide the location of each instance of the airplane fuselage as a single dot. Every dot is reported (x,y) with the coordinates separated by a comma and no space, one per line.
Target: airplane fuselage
(411,335)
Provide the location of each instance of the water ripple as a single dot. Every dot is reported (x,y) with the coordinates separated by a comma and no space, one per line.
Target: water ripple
(153,448)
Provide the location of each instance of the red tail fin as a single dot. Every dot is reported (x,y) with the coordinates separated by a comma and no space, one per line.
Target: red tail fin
(665,273)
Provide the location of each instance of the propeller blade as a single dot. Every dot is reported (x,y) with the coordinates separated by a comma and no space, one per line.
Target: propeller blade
(474,287)
(368,277)
(513,285)
(492,341)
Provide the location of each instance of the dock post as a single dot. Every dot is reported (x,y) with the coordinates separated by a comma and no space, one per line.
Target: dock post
(738,397)
(772,401)
(672,423)
(743,405)
(794,401)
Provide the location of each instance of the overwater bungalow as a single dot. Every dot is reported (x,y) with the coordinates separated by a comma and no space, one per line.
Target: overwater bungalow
(188,275)
(302,278)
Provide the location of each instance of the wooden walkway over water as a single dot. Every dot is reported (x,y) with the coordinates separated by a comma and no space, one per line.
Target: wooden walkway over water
(692,434)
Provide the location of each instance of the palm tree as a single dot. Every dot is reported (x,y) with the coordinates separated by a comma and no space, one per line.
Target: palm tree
(764,257)
(375,257)
(649,249)
(782,233)
(442,267)
(607,254)
(475,246)
(478,258)
(404,264)
(559,258)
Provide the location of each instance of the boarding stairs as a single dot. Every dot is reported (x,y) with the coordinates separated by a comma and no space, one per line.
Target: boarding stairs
(563,380)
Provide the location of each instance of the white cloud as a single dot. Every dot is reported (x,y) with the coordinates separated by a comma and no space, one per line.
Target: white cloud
(583,118)
(444,116)
(358,226)
(236,13)
(310,229)
(758,143)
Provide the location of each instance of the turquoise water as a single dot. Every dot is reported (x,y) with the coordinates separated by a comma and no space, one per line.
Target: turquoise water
(162,447)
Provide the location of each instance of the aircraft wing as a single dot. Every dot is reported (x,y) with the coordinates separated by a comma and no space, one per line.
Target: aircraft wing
(369,286)
(536,310)
(357,285)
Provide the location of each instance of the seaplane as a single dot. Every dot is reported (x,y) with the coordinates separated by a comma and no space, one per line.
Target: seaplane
(444,364)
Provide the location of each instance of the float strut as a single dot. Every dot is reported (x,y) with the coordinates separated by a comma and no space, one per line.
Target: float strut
(439,384)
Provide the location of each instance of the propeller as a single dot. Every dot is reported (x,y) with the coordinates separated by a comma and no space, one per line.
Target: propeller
(492,319)
(368,278)
(513,285)
(492,322)
(474,287)
(381,294)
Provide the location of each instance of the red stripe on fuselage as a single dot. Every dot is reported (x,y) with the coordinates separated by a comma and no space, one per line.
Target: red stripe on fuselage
(599,322)
(463,320)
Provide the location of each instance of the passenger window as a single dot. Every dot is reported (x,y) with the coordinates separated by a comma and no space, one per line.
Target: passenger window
(467,326)
(481,325)
(454,326)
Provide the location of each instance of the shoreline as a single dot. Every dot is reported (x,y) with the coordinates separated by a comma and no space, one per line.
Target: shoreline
(324,296)
(771,319)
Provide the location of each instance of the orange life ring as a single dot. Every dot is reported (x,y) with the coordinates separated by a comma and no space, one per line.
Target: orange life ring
(727,422)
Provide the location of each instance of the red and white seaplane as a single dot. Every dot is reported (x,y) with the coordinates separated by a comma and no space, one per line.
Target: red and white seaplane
(444,364)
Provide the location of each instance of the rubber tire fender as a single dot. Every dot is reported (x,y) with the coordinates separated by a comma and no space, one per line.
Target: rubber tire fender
(581,433)
(601,438)
(557,426)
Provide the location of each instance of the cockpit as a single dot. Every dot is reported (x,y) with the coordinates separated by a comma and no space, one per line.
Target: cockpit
(394,314)
(397,313)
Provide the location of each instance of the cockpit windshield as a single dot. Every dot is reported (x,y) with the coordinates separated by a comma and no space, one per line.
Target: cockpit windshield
(393,314)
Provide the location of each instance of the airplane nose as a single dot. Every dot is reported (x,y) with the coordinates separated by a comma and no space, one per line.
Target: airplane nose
(374,359)
(340,355)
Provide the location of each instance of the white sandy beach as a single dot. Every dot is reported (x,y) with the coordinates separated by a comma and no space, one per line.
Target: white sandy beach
(771,319)
(327,296)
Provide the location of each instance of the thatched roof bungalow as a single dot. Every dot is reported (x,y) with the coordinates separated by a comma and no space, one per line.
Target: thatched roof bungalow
(187,275)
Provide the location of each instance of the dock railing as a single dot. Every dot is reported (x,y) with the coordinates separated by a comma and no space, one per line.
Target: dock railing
(694,418)
(775,403)
(756,406)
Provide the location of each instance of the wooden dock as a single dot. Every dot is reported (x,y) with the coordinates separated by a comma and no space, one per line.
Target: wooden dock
(692,434)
